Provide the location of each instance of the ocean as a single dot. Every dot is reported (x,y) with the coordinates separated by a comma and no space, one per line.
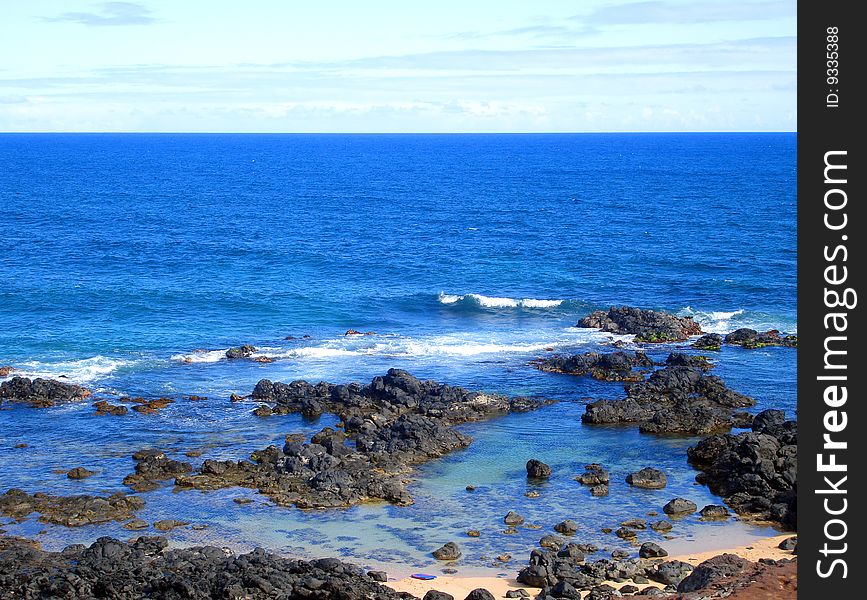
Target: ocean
(129,263)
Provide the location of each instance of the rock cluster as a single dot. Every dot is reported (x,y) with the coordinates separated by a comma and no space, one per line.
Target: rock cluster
(40,392)
(647,325)
(673,400)
(751,339)
(613,366)
(109,568)
(153,466)
(755,472)
(70,511)
(389,425)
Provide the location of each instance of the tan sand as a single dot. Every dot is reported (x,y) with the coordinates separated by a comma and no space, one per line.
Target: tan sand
(459,586)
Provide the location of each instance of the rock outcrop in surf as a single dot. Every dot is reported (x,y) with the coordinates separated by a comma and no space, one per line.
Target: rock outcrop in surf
(649,326)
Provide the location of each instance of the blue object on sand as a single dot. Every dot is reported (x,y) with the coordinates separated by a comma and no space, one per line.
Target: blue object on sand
(423,576)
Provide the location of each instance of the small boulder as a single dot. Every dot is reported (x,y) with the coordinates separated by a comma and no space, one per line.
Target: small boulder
(480,594)
(448,551)
(651,550)
(567,527)
(714,511)
(512,518)
(79,473)
(679,507)
(245,351)
(536,469)
(647,478)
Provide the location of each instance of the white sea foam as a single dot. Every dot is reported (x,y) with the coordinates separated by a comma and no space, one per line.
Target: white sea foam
(498,302)
(207,356)
(77,371)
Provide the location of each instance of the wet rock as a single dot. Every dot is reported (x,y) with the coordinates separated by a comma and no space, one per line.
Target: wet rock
(647,478)
(136,524)
(714,511)
(751,339)
(474,533)
(614,366)
(40,393)
(149,407)
(80,473)
(679,507)
(709,341)
(146,569)
(647,325)
(677,359)
(567,527)
(104,408)
(169,524)
(599,490)
(379,576)
(6,370)
(593,475)
(262,359)
(618,554)
(755,472)
(356,332)
(673,400)
(448,551)
(70,511)
(263,411)
(513,518)
(636,523)
(536,469)
(662,526)
(153,466)
(245,351)
(651,550)
(626,533)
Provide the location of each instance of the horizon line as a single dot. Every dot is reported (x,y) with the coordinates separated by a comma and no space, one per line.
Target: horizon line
(385,132)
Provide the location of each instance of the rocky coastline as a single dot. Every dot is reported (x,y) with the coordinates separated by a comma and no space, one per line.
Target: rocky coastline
(396,422)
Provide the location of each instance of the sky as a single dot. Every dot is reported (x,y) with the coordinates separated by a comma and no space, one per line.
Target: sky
(398,66)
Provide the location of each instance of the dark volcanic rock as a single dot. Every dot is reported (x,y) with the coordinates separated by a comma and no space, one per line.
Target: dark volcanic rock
(104,408)
(143,569)
(789,543)
(671,572)
(714,511)
(729,576)
(673,400)
(153,466)
(651,550)
(750,338)
(755,472)
(709,341)
(40,392)
(513,518)
(594,474)
(437,595)
(677,359)
(616,366)
(448,551)
(79,473)
(648,478)
(646,325)
(480,594)
(390,425)
(536,469)
(70,511)
(680,507)
(567,527)
(245,351)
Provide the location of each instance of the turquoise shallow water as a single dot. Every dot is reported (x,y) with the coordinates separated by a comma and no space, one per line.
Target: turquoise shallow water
(468,255)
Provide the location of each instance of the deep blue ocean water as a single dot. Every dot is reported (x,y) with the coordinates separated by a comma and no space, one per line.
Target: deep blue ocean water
(129,263)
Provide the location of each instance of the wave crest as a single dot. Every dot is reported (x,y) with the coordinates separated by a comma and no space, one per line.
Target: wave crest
(498,302)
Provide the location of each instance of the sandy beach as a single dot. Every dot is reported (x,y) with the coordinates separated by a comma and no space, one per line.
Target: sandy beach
(459,586)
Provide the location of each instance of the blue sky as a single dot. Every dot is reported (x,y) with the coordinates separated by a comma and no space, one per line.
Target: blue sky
(398,66)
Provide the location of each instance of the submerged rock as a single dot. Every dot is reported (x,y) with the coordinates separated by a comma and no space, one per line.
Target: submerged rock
(709,341)
(647,325)
(679,507)
(153,466)
(70,511)
(41,393)
(104,408)
(80,473)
